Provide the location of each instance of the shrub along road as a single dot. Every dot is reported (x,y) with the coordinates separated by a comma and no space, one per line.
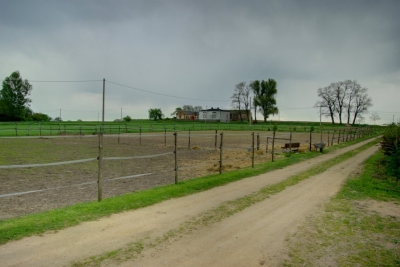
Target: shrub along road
(239,224)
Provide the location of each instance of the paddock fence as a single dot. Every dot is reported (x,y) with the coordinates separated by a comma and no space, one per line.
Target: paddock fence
(40,173)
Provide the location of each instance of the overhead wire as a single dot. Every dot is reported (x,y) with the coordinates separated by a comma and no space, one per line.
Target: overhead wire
(155,93)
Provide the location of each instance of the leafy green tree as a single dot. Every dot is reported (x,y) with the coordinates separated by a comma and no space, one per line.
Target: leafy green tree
(14,97)
(57,119)
(127,118)
(155,113)
(40,117)
(264,97)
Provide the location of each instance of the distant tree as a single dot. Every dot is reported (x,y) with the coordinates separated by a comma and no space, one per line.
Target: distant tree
(197,108)
(246,100)
(14,100)
(346,98)
(57,119)
(40,117)
(237,98)
(176,111)
(375,117)
(362,103)
(127,118)
(327,103)
(187,108)
(155,113)
(264,97)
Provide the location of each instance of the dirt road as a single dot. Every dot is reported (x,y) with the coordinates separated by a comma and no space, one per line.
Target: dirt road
(252,237)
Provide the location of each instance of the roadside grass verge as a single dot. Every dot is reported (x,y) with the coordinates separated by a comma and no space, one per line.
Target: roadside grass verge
(54,220)
(348,233)
(217,214)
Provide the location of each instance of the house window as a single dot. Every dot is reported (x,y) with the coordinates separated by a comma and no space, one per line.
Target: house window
(204,115)
(214,115)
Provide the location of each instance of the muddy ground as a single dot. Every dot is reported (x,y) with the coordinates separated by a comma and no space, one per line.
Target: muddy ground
(62,185)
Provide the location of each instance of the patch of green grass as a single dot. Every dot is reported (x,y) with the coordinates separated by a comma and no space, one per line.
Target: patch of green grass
(372,183)
(345,233)
(34,224)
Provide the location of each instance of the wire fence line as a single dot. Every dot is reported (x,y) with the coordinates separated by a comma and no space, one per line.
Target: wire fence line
(189,151)
(81,128)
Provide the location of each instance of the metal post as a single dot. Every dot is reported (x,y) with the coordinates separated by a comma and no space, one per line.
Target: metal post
(310,139)
(338,140)
(176,157)
(266,147)
(252,150)
(220,154)
(290,144)
(165,136)
(258,141)
(140,135)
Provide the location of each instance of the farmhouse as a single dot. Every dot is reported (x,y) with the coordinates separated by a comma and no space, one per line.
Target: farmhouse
(215,114)
(187,115)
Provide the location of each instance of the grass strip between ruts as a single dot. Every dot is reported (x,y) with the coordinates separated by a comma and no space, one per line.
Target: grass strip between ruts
(18,228)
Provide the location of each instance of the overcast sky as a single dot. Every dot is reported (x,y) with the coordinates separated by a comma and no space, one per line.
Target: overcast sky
(196,51)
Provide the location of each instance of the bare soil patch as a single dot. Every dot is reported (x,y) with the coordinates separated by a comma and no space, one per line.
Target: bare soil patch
(63,185)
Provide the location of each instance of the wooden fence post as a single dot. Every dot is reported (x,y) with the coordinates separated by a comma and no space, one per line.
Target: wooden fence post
(216,137)
(176,157)
(189,140)
(273,145)
(252,150)
(258,141)
(220,154)
(310,139)
(99,177)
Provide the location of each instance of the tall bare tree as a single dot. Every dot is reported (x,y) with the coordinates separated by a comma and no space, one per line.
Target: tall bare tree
(361,104)
(344,98)
(246,100)
(237,98)
(327,103)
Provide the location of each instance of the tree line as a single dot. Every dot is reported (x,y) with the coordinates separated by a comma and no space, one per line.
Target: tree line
(345,100)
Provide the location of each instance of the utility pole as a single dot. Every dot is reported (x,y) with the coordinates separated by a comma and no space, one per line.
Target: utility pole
(60,113)
(121,113)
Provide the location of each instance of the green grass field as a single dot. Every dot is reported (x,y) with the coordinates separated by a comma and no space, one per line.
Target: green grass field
(137,126)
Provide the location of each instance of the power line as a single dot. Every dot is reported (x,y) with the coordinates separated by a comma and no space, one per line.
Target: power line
(155,93)
(65,81)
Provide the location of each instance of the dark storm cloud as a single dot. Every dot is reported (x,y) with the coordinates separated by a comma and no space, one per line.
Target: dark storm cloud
(199,49)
